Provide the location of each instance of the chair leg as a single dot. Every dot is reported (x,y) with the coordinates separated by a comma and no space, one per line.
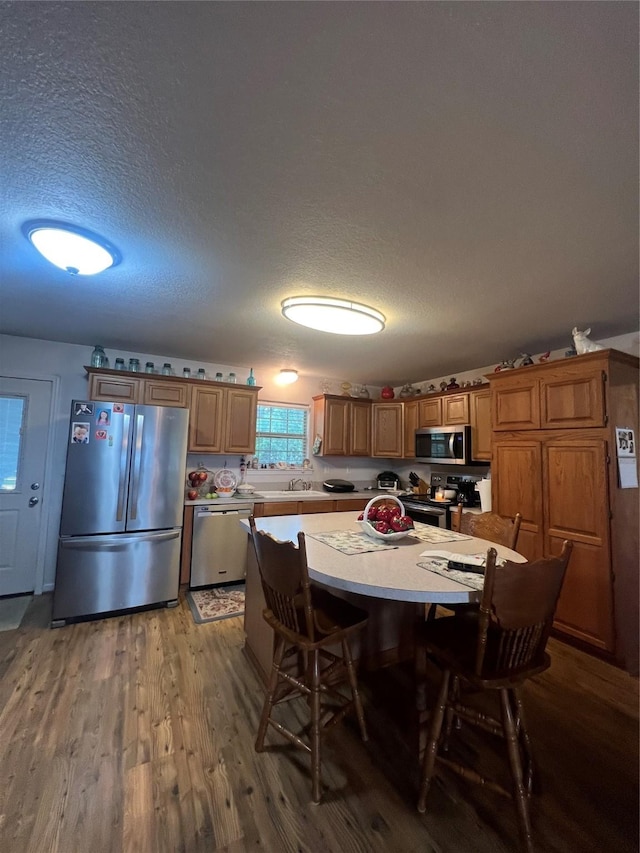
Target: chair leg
(431,748)
(315,725)
(519,793)
(450,716)
(525,743)
(278,654)
(355,692)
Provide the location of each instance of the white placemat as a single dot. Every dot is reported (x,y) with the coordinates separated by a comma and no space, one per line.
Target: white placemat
(435,535)
(439,566)
(350,542)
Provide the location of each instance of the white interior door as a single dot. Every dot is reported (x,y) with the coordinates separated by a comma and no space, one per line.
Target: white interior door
(24,436)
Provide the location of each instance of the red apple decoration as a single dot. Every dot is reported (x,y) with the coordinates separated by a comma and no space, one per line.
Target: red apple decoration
(192,495)
(202,476)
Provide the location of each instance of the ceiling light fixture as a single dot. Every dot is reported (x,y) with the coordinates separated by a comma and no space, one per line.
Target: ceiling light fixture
(287,376)
(75,250)
(339,316)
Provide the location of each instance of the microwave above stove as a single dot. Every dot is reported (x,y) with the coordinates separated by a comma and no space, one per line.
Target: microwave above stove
(445,445)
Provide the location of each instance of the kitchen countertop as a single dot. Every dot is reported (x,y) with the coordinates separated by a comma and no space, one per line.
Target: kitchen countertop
(289,496)
(389,574)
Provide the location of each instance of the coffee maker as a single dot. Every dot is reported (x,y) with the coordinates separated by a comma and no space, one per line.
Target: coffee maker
(467,493)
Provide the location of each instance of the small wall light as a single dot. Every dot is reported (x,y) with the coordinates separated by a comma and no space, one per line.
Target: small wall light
(287,377)
(326,314)
(73,249)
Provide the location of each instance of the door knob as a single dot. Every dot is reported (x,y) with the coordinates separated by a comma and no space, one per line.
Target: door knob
(35,486)
(33,501)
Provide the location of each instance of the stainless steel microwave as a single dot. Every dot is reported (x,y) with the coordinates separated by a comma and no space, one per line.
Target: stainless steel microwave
(444,445)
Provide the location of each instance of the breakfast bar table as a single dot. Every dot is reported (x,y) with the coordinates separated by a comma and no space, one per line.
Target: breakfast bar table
(386,580)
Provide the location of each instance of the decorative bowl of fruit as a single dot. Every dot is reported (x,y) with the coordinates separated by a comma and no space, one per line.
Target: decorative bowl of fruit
(386,521)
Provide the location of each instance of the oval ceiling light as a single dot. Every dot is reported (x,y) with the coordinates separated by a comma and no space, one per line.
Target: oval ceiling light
(287,377)
(75,250)
(339,316)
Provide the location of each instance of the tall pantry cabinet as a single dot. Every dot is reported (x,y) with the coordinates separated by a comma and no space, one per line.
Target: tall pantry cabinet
(555,462)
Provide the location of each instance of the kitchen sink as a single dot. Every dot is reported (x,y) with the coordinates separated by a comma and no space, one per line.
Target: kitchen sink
(298,494)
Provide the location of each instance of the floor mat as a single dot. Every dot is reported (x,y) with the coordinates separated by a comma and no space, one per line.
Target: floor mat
(12,610)
(220,602)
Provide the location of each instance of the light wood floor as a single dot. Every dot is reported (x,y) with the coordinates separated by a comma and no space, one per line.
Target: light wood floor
(136,733)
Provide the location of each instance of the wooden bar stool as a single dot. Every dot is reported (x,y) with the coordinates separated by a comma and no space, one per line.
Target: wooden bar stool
(495,649)
(307,620)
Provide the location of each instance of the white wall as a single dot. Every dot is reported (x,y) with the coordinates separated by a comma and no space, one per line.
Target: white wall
(46,359)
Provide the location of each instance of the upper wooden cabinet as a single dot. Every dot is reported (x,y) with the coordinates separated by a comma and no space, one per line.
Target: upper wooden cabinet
(444,410)
(240,420)
(120,389)
(387,434)
(409,427)
(480,417)
(430,412)
(222,416)
(558,395)
(155,392)
(223,419)
(343,424)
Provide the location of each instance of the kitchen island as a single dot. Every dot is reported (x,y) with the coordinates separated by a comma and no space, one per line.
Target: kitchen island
(387,583)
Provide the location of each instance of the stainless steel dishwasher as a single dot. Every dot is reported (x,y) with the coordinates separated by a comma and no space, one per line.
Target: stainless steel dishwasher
(219,544)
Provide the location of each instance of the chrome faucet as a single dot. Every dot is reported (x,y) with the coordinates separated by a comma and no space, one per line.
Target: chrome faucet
(294,482)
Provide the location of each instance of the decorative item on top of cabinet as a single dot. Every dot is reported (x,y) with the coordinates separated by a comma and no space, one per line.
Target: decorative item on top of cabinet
(559,472)
(582,343)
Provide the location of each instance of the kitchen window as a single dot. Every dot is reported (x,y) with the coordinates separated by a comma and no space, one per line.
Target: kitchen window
(281,434)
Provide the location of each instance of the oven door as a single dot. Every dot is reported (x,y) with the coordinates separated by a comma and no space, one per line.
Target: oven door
(426,514)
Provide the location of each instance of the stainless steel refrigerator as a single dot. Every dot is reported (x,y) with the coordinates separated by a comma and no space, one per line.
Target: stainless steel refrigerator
(122,508)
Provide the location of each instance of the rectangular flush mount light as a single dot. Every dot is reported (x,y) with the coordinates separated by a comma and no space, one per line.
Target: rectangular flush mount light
(339,316)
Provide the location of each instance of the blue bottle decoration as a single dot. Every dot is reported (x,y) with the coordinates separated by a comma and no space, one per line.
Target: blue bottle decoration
(251,379)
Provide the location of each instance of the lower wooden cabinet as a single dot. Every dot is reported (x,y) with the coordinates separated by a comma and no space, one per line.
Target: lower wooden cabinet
(294,507)
(559,483)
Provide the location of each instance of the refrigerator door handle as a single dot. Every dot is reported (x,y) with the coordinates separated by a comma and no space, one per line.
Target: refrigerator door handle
(124,450)
(106,543)
(137,460)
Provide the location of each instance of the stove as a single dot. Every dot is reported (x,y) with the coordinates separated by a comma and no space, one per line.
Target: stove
(428,509)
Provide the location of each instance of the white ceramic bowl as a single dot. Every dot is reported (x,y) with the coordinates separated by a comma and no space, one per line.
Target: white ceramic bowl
(245,489)
(383,537)
(225,493)
(370,530)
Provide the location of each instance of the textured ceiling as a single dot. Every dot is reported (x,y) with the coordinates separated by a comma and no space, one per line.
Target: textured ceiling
(469,169)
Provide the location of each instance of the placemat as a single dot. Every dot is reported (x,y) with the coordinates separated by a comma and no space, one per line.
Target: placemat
(439,566)
(350,542)
(429,533)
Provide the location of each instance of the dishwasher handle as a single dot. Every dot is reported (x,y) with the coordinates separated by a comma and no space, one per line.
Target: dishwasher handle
(203,512)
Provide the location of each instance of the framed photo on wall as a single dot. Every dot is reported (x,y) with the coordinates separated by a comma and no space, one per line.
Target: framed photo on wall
(625,442)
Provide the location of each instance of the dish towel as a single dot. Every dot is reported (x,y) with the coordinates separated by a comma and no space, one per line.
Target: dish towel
(349,542)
